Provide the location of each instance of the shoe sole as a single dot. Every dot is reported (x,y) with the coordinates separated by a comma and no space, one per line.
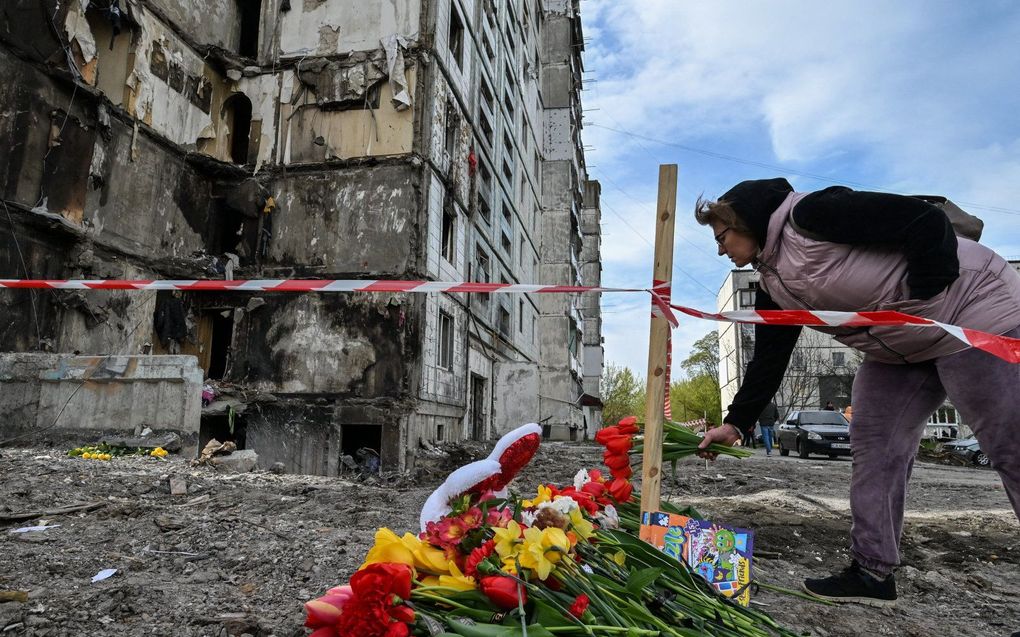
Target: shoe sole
(873,602)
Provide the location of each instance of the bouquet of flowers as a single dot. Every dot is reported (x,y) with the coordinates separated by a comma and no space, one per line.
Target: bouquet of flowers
(487,563)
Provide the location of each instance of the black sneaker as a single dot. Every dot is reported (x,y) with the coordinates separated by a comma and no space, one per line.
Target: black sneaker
(854,584)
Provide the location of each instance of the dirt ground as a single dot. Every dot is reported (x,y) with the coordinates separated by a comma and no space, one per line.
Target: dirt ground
(240,553)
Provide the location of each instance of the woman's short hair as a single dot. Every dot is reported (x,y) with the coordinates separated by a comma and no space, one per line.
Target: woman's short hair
(705,212)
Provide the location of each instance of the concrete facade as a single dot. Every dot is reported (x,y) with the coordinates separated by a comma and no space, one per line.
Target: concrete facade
(416,139)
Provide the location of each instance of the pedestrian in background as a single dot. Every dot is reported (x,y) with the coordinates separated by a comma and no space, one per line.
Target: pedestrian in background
(767,422)
(841,250)
(829,406)
(748,439)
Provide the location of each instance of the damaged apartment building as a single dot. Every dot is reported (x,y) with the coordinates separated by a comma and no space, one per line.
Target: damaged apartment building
(288,139)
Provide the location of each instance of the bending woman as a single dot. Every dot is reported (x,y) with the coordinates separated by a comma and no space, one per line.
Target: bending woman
(837,249)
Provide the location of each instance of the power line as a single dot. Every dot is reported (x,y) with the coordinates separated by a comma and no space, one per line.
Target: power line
(786,170)
(651,245)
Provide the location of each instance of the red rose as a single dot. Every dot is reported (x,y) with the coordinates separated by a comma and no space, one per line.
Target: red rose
(503,591)
(579,606)
(621,490)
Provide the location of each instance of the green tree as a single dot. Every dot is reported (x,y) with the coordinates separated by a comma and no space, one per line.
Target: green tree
(704,357)
(622,394)
(696,395)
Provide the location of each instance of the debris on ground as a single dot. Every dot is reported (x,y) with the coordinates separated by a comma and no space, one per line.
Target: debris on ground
(241,553)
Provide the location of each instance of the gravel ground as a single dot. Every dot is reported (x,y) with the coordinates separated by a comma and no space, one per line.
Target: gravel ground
(239,553)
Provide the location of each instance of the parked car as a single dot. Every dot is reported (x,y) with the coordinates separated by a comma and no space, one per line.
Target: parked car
(820,432)
(969,450)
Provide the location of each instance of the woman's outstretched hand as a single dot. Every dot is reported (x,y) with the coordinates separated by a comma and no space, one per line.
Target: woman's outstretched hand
(727,434)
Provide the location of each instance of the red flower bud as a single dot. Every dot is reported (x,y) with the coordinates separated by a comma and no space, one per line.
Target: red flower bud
(503,591)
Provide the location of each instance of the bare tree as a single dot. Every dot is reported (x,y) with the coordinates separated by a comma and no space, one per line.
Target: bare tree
(820,370)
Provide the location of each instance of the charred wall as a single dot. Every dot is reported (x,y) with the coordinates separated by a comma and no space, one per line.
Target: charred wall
(334,344)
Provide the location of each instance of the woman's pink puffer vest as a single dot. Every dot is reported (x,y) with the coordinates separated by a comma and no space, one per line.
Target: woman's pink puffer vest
(802,273)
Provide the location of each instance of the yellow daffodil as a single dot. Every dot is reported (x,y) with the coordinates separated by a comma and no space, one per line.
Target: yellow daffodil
(457,580)
(580,525)
(620,557)
(390,548)
(543,548)
(544,495)
(510,565)
(507,540)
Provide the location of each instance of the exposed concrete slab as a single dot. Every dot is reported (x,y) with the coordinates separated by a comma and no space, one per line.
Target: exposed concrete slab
(67,396)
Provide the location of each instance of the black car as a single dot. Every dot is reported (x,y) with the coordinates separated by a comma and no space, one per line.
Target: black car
(808,432)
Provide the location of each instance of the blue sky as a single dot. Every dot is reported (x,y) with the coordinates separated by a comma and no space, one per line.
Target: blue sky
(910,97)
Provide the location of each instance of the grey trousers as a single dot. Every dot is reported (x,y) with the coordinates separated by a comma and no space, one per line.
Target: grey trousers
(891,405)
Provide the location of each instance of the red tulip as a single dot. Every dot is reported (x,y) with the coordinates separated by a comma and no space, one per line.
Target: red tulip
(616,460)
(608,432)
(324,612)
(628,426)
(503,591)
(621,490)
(595,475)
(623,472)
(618,444)
(594,489)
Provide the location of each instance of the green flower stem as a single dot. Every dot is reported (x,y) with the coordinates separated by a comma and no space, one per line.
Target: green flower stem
(474,613)
(606,630)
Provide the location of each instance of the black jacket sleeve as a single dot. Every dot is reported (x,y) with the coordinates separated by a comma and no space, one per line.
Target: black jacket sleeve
(773,345)
(921,230)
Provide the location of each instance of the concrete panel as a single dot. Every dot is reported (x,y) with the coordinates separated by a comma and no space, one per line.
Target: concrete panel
(516,395)
(318,27)
(62,395)
(361,219)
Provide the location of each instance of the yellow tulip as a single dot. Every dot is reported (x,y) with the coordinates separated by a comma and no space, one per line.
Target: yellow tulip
(429,558)
(457,580)
(390,548)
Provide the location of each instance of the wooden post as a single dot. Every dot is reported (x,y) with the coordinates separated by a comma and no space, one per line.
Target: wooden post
(651,464)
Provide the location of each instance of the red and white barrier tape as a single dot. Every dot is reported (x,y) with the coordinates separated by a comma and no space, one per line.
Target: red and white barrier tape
(1001,346)
(1004,347)
(305,285)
